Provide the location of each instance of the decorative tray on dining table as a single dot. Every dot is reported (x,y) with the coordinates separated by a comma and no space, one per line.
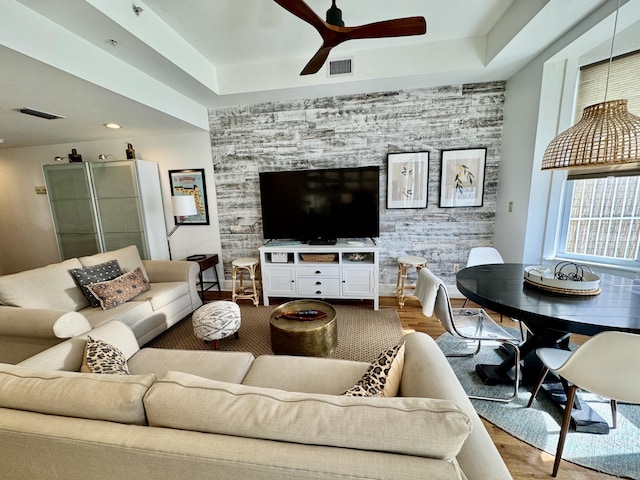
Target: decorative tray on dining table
(566,278)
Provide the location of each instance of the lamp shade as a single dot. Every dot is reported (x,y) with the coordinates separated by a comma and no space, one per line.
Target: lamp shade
(606,135)
(184,205)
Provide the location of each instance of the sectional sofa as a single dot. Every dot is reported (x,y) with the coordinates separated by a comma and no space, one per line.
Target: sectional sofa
(226,415)
(44,306)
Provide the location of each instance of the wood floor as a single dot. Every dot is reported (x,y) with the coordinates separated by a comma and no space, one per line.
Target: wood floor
(523,460)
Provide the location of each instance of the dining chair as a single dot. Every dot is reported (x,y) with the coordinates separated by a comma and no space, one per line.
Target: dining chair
(488,256)
(606,364)
(470,324)
(483,256)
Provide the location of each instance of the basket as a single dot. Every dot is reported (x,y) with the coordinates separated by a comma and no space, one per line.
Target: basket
(318,257)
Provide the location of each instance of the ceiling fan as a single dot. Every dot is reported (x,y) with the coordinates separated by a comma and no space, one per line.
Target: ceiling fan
(333,31)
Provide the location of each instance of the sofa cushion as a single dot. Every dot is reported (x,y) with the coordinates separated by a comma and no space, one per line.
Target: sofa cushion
(331,376)
(115,398)
(128,313)
(382,378)
(216,365)
(424,427)
(51,287)
(162,294)
(128,258)
(102,357)
(119,290)
(98,273)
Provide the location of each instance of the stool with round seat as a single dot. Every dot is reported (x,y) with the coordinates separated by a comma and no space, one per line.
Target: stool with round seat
(252,291)
(405,263)
(216,320)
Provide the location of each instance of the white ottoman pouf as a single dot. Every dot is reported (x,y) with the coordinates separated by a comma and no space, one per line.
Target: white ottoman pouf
(216,320)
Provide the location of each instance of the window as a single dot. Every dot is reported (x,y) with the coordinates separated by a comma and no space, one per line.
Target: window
(600,218)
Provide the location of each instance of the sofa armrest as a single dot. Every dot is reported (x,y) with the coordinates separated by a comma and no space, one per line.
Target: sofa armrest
(171,271)
(427,373)
(175,271)
(41,323)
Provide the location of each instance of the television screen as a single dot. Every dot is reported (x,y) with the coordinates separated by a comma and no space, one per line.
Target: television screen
(320,205)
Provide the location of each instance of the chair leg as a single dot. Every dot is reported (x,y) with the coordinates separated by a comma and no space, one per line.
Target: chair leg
(566,419)
(516,383)
(614,413)
(543,375)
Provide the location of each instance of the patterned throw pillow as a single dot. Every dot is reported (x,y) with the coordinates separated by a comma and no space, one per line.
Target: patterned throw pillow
(97,273)
(121,289)
(382,378)
(102,357)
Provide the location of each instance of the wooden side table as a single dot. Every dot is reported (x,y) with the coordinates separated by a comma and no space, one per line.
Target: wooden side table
(206,261)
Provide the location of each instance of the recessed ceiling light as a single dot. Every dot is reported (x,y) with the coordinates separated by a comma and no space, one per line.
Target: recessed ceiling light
(1,140)
(112,125)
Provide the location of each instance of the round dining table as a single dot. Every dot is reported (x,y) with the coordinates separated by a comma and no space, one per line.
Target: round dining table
(550,317)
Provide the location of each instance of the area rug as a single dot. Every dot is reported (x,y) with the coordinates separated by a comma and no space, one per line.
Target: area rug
(362,333)
(616,453)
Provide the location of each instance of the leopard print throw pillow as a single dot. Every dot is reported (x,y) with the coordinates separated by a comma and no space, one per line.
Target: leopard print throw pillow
(379,375)
(101,357)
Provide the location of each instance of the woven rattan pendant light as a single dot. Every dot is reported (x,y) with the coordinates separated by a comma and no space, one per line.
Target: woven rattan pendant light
(606,135)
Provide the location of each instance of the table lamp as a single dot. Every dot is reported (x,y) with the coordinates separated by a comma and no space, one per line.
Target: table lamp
(183,206)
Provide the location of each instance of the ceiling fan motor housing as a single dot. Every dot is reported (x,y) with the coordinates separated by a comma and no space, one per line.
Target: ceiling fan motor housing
(334,15)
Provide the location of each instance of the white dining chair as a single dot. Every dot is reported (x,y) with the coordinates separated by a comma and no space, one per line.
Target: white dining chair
(472,324)
(606,364)
(489,256)
(483,256)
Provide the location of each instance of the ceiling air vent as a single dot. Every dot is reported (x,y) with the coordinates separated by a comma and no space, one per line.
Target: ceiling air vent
(38,113)
(341,67)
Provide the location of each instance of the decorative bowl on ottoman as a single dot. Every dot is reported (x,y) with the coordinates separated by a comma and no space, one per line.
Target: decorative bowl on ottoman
(215,321)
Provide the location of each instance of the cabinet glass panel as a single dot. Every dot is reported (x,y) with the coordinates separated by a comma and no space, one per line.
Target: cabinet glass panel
(114,179)
(73,216)
(72,209)
(113,241)
(120,215)
(67,182)
(77,245)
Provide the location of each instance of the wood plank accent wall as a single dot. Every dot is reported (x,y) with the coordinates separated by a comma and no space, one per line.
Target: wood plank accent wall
(358,130)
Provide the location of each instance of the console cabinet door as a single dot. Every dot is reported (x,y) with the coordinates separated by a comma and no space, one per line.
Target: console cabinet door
(279,280)
(358,281)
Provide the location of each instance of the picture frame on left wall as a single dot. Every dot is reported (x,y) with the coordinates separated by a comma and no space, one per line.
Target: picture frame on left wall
(407,180)
(191,182)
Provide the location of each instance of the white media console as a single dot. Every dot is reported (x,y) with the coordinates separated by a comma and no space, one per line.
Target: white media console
(347,270)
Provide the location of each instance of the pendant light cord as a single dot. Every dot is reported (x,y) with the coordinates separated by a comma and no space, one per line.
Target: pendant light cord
(613,38)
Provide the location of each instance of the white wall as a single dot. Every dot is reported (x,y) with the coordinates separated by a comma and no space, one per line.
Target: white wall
(26,236)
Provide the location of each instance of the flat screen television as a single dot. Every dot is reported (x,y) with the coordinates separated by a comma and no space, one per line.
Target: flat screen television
(320,206)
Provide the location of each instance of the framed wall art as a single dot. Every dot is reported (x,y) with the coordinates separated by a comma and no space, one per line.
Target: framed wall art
(191,182)
(462,177)
(407,180)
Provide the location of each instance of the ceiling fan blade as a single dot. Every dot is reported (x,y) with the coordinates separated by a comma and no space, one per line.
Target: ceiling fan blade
(317,60)
(303,11)
(399,27)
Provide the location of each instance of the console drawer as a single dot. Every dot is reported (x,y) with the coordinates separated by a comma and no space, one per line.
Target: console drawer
(318,286)
(318,271)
